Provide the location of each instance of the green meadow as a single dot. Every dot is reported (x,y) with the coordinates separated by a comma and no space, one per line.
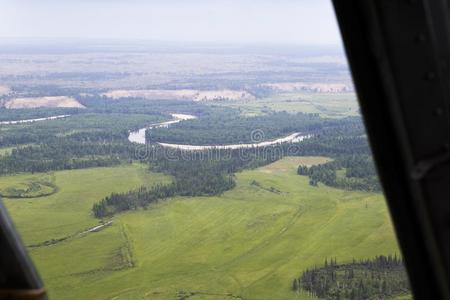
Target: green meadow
(248,243)
(329,105)
(68,211)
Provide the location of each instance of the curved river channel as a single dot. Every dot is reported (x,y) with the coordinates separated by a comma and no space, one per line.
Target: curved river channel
(139,137)
(33,120)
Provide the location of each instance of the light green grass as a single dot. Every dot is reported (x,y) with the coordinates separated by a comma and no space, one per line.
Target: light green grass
(332,105)
(249,242)
(27,186)
(69,210)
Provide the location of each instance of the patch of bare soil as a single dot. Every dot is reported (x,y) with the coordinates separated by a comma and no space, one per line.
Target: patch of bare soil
(192,95)
(34,102)
(4,90)
(309,87)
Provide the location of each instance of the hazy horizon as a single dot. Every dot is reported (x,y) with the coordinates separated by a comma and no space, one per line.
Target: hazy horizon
(287,22)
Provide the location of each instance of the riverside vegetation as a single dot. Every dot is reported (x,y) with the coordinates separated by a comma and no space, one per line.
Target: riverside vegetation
(150,193)
(104,218)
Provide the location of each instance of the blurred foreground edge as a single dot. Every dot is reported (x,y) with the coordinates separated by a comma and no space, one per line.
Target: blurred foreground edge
(18,277)
(398,51)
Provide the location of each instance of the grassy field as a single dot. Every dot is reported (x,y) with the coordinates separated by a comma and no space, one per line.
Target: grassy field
(330,105)
(69,210)
(248,243)
(27,186)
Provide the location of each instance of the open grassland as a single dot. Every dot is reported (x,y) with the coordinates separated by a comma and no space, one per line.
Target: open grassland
(317,87)
(248,243)
(68,211)
(194,95)
(332,105)
(27,186)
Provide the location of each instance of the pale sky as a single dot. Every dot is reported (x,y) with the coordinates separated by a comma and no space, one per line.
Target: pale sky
(305,22)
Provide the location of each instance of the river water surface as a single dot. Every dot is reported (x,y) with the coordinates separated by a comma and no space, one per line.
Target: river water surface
(33,120)
(139,137)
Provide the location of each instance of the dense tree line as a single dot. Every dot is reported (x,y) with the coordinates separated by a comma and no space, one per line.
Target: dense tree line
(114,126)
(210,172)
(98,104)
(98,137)
(35,113)
(193,173)
(227,127)
(379,278)
(101,139)
(79,141)
(360,173)
(102,119)
(207,184)
(63,154)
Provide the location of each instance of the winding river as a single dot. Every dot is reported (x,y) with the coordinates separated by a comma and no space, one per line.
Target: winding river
(139,137)
(33,120)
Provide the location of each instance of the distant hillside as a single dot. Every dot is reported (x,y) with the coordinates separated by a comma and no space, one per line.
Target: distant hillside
(310,87)
(34,102)
(193,95)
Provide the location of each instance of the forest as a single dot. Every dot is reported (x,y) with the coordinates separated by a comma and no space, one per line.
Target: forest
(227,127)
(97,137)
(103,217)
(27,114)
(352,172)
(194,174)
(379,278)
(101,116)
(211,172)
